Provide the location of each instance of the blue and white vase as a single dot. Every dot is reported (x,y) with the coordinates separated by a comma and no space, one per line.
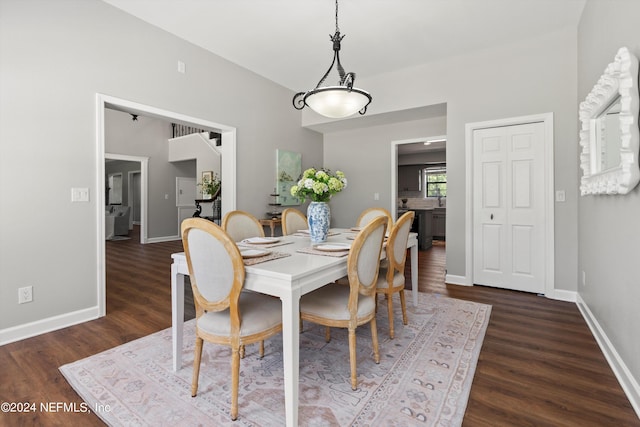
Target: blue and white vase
(318,217)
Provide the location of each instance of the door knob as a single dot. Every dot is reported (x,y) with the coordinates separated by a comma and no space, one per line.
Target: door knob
(491,216)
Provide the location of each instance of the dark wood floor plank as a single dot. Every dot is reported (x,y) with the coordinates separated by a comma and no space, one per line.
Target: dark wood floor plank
(539,364)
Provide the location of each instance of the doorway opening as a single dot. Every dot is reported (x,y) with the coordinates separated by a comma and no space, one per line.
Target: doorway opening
(103,102)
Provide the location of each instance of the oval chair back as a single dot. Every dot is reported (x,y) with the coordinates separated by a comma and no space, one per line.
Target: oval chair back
(240,225)
(292,221)
(367,215)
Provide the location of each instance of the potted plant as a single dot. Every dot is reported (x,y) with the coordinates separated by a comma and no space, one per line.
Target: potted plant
(210,186)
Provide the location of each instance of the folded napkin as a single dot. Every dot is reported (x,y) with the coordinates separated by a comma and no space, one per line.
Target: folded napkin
(313,251)
(268,257)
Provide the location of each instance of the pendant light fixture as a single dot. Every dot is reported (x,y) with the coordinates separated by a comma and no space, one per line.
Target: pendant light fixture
(342,100)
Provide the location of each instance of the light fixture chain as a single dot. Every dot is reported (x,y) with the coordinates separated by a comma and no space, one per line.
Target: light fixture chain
(337,28)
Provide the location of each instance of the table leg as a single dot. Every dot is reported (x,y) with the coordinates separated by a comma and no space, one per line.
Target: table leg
(291,355)
(414,274)
(273,229)
(177,315)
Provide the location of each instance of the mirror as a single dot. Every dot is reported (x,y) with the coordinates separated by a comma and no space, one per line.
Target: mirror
(609,131)
(606,135)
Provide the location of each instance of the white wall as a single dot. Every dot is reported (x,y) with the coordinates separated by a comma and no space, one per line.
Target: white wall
(609,226)
(147,137)
(530,77)
(54,57)
(364,156)
(202,151)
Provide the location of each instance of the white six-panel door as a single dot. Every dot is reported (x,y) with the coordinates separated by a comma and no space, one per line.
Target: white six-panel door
(508,206)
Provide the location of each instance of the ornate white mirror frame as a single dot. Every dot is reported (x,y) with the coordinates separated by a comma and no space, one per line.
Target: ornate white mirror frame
(618,85)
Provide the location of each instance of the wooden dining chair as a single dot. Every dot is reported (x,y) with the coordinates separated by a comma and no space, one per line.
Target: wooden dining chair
(350,306)
(367,215)
(292,221)
(240,225)
(224,314)
(391,277)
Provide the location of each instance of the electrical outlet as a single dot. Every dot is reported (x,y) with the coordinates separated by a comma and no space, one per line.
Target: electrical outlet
(25,294)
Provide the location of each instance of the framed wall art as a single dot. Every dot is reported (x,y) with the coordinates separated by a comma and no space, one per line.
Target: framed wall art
(289,169)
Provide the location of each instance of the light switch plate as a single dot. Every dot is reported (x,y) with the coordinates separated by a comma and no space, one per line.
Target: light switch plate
(79,194)
(560,196)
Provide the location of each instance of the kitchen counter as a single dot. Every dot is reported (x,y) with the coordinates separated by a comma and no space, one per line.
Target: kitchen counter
(439,223)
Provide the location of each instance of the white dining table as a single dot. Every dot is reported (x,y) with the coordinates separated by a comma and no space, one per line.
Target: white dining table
(287,278)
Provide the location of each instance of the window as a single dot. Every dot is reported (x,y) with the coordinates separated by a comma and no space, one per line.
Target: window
(435,182)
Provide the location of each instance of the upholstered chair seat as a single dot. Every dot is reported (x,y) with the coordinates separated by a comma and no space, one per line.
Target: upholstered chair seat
(329,302)
(398,278)
(259,313)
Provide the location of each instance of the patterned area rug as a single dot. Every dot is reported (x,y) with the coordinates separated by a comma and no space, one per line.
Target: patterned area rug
(424,376)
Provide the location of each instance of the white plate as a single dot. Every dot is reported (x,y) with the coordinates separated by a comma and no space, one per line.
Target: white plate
(356,229)
(261,240)
(333,247)
(253,253)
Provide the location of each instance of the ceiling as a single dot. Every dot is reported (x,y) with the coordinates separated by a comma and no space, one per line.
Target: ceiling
(287,41)
(381,35)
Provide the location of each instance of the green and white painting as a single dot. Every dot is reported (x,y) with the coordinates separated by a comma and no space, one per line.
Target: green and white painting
(289,172)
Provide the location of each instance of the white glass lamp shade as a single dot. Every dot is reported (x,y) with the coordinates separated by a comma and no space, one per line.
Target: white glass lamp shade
(337,102)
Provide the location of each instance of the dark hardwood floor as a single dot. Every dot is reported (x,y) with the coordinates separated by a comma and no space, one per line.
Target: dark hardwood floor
(539,364)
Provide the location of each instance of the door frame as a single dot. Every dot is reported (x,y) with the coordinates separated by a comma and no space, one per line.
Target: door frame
(131,190)
(549,186)
(394,167)
(144,179)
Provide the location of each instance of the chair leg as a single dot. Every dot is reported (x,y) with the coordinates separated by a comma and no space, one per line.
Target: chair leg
(196,366)
(261,349)
(403,304)
(390,311)
(327,334)
(352,359)
(374,340)
(235,379)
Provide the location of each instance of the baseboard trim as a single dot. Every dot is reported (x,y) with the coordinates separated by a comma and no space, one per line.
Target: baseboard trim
(28,330)
(629,384)
(163,239)
(457,280)
(563,295)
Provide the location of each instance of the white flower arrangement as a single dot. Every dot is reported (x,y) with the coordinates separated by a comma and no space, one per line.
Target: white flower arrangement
(319,185)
